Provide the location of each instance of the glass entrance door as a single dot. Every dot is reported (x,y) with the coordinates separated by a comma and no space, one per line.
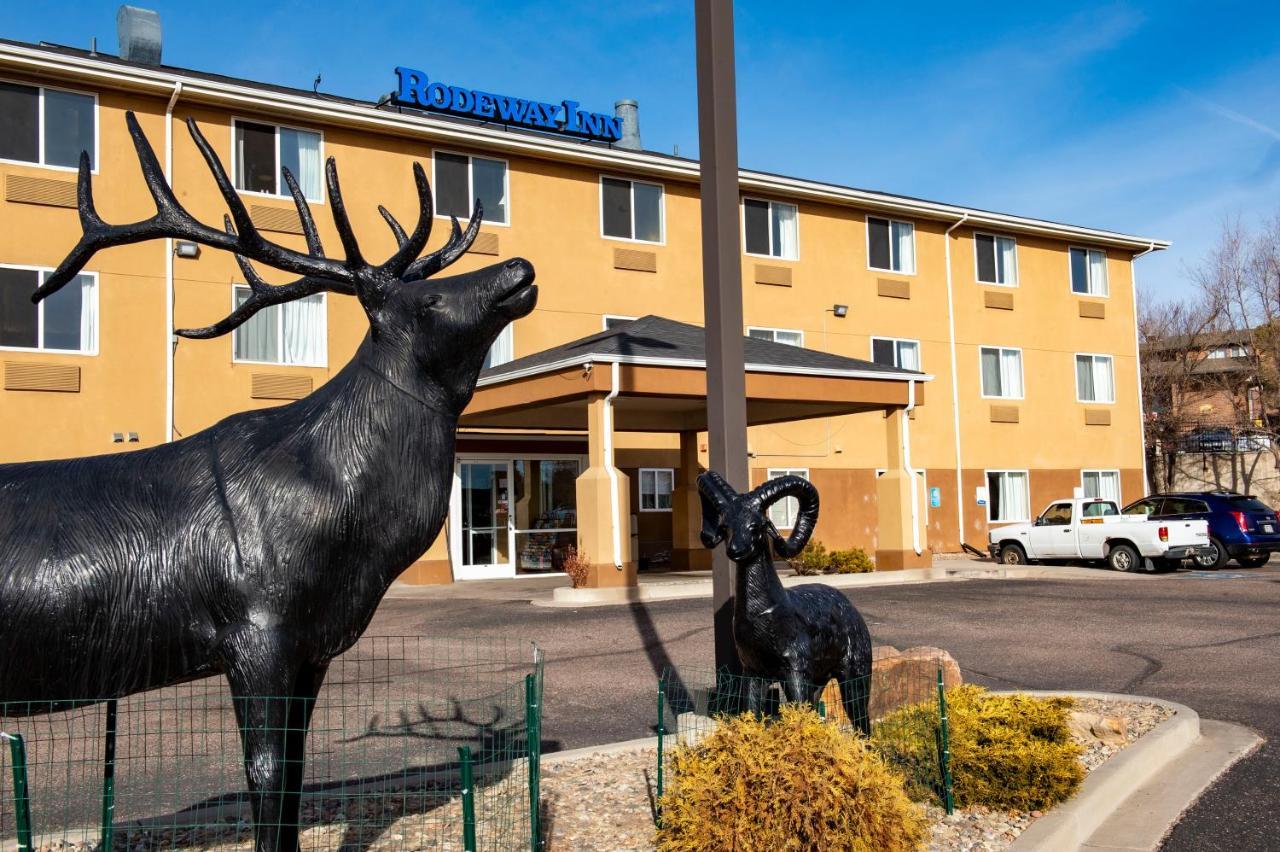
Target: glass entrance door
(485,523)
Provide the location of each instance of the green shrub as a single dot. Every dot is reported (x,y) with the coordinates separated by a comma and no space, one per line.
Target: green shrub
(816,559)
(852,561)
(810,561)
(793,783)
(1011,752)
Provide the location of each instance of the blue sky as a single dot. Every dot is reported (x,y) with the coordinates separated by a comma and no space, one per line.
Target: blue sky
(1160,119)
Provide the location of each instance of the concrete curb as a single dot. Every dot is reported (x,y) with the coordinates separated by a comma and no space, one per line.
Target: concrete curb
(604,750)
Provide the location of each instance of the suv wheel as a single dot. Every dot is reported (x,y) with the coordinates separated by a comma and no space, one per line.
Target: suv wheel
(1123,558)
(1254,561)
(1013,554)
(1215,558)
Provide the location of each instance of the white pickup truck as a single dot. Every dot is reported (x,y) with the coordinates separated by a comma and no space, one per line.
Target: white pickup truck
(1093,529)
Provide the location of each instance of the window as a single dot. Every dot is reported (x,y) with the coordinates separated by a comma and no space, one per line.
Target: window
(997,259)
(783,513)
(893,352)
(769,228)
(264,151)
(656,484)
(1001,372)
(891,245)
(1095,381)
(1233,351)
(292,333)
(1057,515)
(48,127)
(502,350)
(1088,272)
(612,321)
(631,210)
(67,321)
(1183,506)
(1007,497)
(1101,509)
(461,180)
(1104,484)
(789,336)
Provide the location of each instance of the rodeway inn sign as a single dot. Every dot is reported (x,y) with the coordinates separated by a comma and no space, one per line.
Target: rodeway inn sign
(415,90)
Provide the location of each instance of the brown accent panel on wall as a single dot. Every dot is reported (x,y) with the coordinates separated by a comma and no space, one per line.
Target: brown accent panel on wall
(1093,310)
(1004,414)
(279,386)
(999,301)
(1097,417)
(22,375)
(25,189)
(777,276)
(635,260)
(893,289)
(282,220)
(485,243)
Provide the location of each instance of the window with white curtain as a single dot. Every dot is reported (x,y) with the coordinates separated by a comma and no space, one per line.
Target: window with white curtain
(264,151)
(67,321)
(997,259)
(460,181)
(1008,498)
(783,513)
(770,228)
(293,333)
(1001,372)
(1095,378)
(1104,484)
(789,336)
(895,352)
(1088,271)
(48,127)
(891,245)
(502,350)
(656,485)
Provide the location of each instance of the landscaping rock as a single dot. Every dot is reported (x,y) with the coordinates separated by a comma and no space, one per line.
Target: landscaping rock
(1108,730)
(909,677)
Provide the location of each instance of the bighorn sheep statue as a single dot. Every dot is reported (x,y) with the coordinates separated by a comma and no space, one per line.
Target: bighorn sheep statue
(260,547)
(803,636)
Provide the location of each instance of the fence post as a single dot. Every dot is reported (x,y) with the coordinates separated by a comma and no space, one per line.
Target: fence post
(662,692)
(109,778)
(944,747)
(468,801)
(21,795)
(533,749)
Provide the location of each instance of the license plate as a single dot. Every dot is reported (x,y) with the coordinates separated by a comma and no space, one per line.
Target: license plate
(1268,528)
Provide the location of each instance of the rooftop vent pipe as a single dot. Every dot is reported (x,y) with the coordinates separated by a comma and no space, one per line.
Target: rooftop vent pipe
(139,33)
(629,111)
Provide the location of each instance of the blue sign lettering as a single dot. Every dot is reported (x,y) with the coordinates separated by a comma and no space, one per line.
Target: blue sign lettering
(414,89)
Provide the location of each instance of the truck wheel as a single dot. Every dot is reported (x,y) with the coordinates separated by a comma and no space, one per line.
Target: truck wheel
(1013,554)
(1123,558)
(1215,558)
(1254,561)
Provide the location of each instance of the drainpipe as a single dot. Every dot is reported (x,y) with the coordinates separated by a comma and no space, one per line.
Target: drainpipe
(955,382)
(906,467)
(614,510)
(1137,351)
(170,340)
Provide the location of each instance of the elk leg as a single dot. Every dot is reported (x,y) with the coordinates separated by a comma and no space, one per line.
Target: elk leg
(855,695)
(796,686)
(756,687)
(302,704)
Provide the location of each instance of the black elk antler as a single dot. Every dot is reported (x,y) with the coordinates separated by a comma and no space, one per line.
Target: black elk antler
(351,276)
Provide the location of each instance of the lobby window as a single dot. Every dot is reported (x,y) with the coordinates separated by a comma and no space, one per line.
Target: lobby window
(997,259)
(1101,483)
(1001,372)
(770,228)
(264,151)
(48,127)
(789,336)
(893,352)
(294,333)
(783,513)
(1007,496)
(67,321)
(461,180)
(1088,271)
(502,350)
(1095,379)
(631,210)
(891,245)
(656,484)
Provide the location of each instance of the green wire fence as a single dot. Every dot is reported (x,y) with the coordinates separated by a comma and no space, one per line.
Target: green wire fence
(414,743)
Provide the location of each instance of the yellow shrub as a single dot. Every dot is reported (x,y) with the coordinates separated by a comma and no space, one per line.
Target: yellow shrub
(816,559)
(1012,752)
(794,783)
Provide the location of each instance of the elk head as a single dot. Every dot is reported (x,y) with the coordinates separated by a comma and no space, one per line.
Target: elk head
(441,329)
(742,520)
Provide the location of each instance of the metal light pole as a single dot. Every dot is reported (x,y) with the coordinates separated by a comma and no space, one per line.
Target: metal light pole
(721,284)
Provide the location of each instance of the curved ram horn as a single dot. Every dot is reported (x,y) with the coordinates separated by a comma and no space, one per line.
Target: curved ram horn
(806,518)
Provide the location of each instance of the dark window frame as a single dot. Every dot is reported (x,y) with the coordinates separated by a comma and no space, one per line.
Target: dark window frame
(281,187)
(471,186)
(40,162)
(631,209)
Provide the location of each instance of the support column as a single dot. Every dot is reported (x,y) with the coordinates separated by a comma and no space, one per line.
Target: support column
(687,552)
(894,543)
(595,487)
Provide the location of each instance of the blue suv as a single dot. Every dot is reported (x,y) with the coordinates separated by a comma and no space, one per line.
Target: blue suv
(1241,527)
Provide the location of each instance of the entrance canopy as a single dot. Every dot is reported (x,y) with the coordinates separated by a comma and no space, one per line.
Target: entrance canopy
(656,370)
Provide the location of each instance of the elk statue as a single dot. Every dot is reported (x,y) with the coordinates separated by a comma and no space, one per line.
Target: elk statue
(260,547)
(802,636)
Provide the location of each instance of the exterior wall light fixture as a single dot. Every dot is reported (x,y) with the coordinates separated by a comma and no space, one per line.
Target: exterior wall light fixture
(186,248)
(840,311)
